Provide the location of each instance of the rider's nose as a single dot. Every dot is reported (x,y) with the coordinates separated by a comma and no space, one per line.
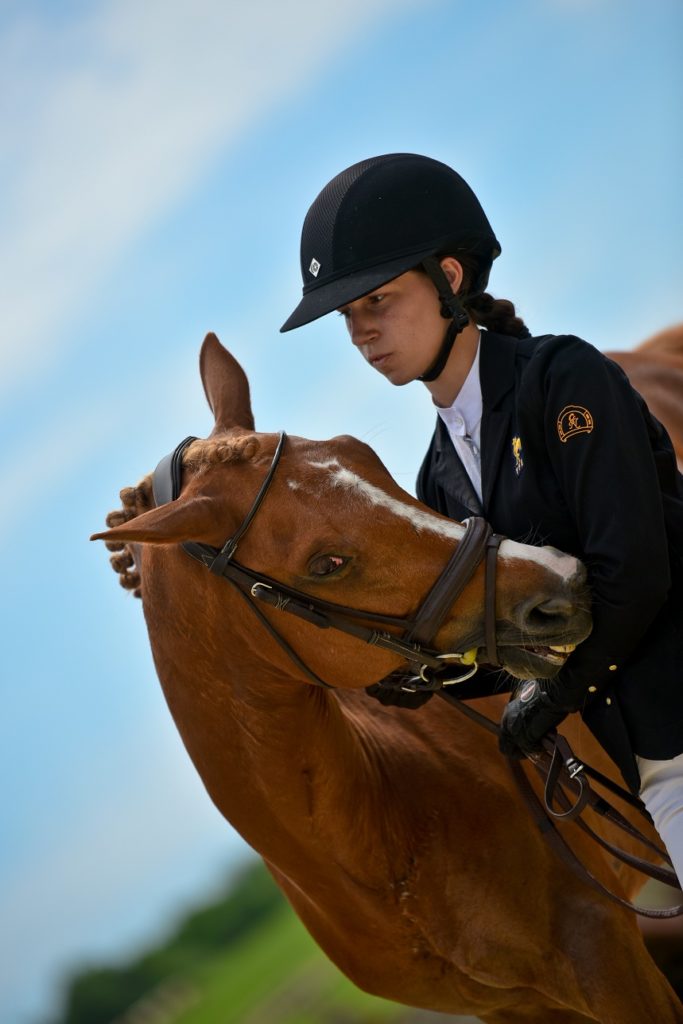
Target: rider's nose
(360,328)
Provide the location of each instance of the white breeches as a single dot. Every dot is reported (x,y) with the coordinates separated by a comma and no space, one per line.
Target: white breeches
(662,793)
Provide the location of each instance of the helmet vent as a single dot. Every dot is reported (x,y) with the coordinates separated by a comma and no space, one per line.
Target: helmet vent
(320,221)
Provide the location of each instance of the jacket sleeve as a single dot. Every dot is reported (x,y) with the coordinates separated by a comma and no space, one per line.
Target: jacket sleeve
(598,444)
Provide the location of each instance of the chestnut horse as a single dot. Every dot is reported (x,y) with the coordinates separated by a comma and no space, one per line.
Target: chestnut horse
(399,837)
(655,369)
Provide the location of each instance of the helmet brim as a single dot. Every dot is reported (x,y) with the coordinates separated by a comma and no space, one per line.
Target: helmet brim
(329,296)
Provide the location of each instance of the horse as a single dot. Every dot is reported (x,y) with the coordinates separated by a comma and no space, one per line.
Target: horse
(655,369)
(399,837)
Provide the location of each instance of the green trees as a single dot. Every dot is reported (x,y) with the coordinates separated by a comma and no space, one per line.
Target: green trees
(100,995)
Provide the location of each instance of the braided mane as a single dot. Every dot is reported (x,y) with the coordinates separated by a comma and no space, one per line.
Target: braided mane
(199,456)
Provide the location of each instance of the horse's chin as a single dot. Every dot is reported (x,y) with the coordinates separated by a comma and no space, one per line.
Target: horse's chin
(523,663)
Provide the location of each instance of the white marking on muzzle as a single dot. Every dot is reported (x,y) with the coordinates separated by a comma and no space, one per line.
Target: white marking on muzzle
(564,566)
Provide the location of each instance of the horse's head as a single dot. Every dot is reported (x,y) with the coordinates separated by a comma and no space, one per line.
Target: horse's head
(333,526)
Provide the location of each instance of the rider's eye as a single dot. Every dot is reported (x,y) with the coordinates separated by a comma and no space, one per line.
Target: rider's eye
(325,565)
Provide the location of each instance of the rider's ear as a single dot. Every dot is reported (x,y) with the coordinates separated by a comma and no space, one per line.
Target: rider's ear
(453,271)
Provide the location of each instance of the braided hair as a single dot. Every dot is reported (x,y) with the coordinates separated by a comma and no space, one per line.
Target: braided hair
(494,314)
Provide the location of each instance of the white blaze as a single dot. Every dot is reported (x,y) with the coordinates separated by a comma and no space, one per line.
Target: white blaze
(418,518)
(563,565)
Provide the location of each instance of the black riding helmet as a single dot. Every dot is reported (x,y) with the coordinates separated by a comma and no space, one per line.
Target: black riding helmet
(382,217)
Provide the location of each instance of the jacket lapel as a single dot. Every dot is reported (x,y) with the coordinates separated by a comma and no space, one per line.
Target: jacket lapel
(497,373)
(451,475)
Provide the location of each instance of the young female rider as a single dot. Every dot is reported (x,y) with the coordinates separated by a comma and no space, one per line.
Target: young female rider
(543,436)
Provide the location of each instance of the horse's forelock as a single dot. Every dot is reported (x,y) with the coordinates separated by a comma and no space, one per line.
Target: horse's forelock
(134,501)
(202,454)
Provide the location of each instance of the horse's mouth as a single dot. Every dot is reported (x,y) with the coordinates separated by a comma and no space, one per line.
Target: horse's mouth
(531,660)
(555,654)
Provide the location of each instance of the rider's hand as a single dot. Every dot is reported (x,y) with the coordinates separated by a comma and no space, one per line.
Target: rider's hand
(398,698)
(529,716)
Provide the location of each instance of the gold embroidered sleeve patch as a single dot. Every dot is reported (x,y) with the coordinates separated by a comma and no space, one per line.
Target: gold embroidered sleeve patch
(573,419)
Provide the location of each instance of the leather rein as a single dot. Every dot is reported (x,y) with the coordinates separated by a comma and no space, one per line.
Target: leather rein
(567,793)
(556,763)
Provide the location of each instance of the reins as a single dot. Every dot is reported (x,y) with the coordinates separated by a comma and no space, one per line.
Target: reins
(561,770)
(556,763)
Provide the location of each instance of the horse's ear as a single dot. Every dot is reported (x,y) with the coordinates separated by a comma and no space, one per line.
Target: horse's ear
(226,386)
(184,519)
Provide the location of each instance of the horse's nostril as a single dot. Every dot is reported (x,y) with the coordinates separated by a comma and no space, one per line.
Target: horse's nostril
(555,606)
(541,613)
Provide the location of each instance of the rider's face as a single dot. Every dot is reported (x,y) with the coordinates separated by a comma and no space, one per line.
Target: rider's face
(398,328)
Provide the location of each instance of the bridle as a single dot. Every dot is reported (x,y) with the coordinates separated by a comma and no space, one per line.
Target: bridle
(431,668)
(560,769)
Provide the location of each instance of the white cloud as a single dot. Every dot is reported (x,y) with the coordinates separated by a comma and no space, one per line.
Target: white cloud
(116,117)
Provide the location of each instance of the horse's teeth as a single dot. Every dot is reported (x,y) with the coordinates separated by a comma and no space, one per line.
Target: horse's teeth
(565,649)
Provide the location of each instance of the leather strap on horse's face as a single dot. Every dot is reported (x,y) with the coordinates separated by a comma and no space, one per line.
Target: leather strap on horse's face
(168,476)
(477,543)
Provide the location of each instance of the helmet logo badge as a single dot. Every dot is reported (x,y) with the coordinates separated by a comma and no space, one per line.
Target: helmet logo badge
(314,267)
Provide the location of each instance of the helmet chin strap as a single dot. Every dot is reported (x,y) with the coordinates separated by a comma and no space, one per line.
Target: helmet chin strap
(451,309)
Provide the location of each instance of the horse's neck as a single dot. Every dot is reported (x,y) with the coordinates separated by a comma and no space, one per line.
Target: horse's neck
(294,770)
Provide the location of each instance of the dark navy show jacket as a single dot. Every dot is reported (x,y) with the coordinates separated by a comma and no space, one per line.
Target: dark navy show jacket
(572,457)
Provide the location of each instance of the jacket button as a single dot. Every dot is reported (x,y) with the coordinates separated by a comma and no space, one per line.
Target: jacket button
(613,668)
(592,689)
(608,700)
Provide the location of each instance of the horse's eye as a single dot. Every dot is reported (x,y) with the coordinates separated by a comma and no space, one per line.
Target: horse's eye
(325,565)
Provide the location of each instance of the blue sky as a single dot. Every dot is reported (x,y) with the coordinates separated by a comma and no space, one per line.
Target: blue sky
(156,163)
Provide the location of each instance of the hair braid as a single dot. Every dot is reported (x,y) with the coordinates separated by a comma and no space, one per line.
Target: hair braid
(495,314)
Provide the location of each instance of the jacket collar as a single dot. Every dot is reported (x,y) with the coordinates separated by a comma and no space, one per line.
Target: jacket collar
(497,367)
(497,382)
(450,473)
(497,375)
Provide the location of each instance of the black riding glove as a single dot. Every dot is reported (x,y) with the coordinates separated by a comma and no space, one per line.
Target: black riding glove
(398,698)
(529,716)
